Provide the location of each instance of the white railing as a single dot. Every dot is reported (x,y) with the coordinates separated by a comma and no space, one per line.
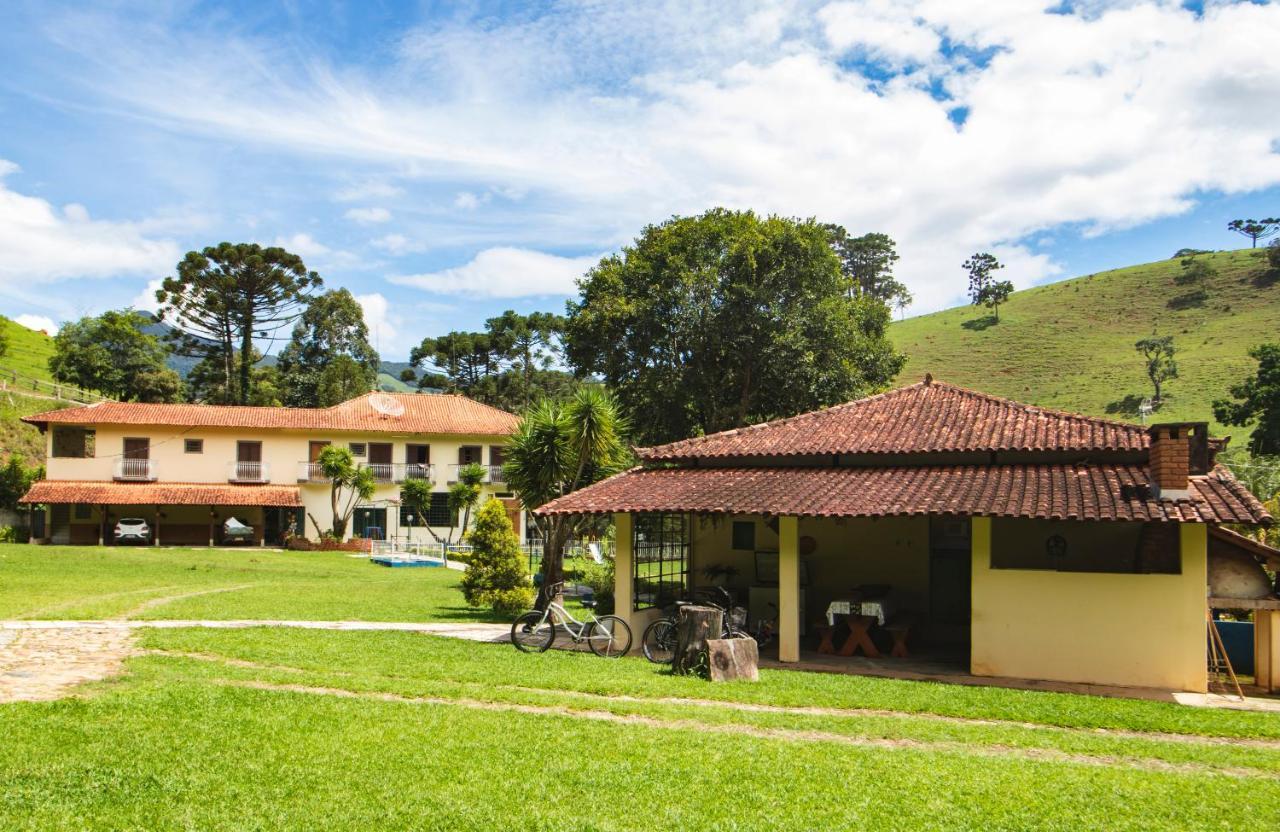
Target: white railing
(311,472)
(400,471)
(249,472)
(492,474)
(135,469)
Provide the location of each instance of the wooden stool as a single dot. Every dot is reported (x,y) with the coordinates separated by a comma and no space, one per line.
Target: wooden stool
(899,630)
(859,637)
(826,631)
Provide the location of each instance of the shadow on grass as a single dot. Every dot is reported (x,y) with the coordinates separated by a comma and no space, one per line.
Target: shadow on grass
(979,324)
(1190,300)
(1266,278)
(1128,406)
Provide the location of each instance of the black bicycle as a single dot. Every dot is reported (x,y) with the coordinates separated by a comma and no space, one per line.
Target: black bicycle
(659,639)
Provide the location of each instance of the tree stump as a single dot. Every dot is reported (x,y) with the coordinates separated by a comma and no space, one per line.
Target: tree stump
(730,659)
(694,628)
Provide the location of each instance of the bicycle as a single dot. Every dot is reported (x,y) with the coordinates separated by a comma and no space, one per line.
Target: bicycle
(658,642)
(608,636)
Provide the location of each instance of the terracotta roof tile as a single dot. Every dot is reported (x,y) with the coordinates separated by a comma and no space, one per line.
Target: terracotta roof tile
(161,494)
(922,418)
(423,413)
(1052,491)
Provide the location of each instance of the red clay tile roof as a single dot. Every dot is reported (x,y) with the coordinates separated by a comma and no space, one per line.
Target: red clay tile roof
(1053,491)
(425,413)
(922,418)
(166,494)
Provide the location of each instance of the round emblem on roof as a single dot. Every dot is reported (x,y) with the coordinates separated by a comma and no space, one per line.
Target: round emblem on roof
(386,405)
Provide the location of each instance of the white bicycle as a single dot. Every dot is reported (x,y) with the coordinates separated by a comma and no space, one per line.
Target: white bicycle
(535,631)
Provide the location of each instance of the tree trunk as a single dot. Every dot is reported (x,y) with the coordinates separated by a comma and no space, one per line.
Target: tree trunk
(246,357)
(730,659)
(695,626)
(552,559)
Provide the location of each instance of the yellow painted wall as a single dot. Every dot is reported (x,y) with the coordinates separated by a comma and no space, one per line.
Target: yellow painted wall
(282,451)
(1109,629)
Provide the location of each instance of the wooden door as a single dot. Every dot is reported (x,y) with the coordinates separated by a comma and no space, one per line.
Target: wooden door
(137,448)
(248,452)
(513,514)
(379,453)
(314,449)
(469,454)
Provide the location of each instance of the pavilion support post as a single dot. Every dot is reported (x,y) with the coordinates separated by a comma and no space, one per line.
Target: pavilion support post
(789,589)
(623,585)
(1266,649)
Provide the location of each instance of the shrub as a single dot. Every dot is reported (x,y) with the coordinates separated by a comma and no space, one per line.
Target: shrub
(599,577)
(14,534)
(496,576)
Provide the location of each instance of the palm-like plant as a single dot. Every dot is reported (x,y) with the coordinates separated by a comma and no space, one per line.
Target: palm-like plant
(558,448)
(349,484)
(464,494)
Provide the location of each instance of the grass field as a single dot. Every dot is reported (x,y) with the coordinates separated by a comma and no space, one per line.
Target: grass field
(1070,344)
(270,729)
(89,582)
(28,355)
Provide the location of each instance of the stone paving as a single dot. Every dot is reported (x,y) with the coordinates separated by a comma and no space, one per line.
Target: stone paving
(42,660)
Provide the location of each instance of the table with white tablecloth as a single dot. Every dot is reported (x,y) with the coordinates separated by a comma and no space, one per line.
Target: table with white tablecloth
(881,608)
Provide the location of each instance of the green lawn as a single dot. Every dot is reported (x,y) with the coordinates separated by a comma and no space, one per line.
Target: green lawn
(78,582)
(270,729)
(1069,344)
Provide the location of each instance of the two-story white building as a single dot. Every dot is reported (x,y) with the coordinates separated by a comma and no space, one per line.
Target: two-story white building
(187,468)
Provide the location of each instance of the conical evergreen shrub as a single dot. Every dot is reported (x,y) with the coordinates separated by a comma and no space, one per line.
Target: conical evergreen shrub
(496,576)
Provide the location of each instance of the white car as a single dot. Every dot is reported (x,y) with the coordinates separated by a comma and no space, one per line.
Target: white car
(132,529)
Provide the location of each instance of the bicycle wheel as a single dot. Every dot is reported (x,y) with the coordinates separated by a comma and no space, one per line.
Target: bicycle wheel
(659,641)
(609,636)
(530,633)
(731,631)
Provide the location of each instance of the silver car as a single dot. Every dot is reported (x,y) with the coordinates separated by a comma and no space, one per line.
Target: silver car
(236,531)
(132,530)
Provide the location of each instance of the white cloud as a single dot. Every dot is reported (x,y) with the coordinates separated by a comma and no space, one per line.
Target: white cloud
(505,273)
(37,322)
(145,300)
(384,324)
(468,201)
(40,243)
(368,190)
(398,244)
(620,114)
(303,245)
(368,216)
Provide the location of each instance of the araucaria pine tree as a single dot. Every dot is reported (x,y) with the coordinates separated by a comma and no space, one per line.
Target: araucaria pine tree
(496,577)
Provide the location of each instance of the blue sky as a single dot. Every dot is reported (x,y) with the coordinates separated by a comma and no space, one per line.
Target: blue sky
(446,161)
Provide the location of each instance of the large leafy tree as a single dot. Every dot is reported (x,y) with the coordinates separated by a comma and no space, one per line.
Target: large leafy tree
(329,354)
(559,447)
(720,320)
(4,337)
(206,382)
(1257,398)
(984,289)
(16,480)
(513,362)
(112,354)
(867,264)
(226,296)
(1158,353)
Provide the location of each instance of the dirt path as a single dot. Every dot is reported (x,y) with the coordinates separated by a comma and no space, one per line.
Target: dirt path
(781,734)
(152,603)
(40,664)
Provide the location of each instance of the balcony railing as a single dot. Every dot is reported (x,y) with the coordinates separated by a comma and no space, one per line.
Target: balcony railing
(493,473)
(143,470)
(249,472)
(383,472)
(311,472)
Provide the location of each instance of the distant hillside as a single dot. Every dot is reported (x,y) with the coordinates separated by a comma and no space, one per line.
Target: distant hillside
(28,356)
(1069,345)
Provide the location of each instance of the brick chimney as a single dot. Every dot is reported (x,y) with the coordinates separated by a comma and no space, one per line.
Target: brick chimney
(1177,451)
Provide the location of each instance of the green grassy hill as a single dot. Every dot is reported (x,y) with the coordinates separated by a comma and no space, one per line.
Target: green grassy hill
(1069,345)
(28,356)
